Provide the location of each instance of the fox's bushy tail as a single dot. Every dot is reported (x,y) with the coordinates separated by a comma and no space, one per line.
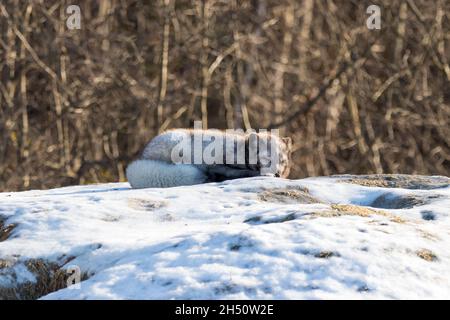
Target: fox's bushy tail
(158,174)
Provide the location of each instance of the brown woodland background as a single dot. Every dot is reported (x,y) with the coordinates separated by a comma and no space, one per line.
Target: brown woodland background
(77,105)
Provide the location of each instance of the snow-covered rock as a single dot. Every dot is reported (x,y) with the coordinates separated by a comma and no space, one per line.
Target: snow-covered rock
(357,237)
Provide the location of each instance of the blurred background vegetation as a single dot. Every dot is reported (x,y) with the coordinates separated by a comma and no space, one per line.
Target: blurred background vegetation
(77,105)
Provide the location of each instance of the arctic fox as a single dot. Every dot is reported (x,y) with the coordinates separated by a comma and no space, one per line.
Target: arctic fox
(192,156)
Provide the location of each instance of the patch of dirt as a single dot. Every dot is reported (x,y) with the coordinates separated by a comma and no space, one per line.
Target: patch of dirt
(5,229)
(353,210)
(279,219)
(110,218)
(326,254)
(167,217)
(145,204)
(398,181)
(288,196)
(388,201)
(426,255)
(6,263)
(428,215)
(240,243)
(226,288)
(363,288)
(49,276)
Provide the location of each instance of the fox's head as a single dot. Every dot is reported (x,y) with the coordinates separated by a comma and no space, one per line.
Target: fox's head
(273,153)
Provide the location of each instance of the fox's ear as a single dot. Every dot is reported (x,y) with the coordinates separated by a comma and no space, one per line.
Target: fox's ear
(288,141)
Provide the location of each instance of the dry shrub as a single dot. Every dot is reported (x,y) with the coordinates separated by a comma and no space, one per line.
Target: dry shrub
(286,195)
(50,277)
(77,105)
(353,210)
(426,255)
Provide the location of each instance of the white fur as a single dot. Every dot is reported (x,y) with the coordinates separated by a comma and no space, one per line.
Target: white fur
(158,174)
(160,147)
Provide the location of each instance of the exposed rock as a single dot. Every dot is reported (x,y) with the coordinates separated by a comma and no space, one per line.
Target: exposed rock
(398,181)
(256,238)
(5,229)
(278,219)
(408,201)
(326,254)
(300,195)
(428,215)
(387,201)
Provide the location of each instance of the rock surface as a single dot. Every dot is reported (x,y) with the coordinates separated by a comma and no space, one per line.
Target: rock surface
(357,237)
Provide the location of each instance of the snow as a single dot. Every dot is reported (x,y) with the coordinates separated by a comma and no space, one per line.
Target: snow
(223,241)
